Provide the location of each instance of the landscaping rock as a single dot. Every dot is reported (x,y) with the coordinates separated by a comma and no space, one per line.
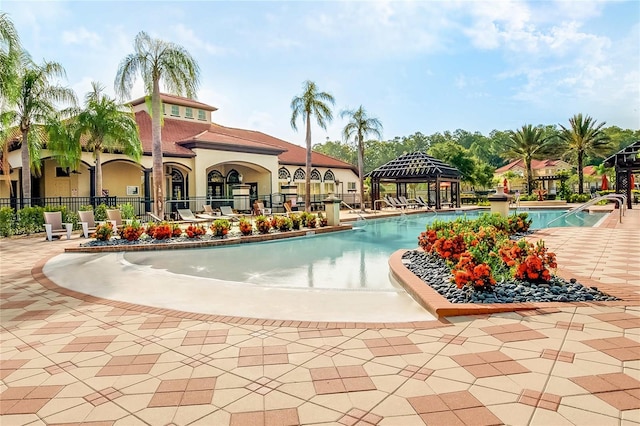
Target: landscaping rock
(435,273)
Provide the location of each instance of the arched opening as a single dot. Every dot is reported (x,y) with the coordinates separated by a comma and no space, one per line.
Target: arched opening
(215,184)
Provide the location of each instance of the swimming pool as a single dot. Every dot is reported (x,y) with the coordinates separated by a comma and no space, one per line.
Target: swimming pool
(350,260)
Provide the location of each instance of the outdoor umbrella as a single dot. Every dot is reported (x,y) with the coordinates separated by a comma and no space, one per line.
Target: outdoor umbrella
(633,181)
(605,183)
(505,184)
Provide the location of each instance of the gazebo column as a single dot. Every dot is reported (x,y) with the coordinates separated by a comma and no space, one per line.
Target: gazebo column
(438,203)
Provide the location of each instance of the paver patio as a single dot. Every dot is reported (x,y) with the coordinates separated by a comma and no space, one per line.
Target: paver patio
(67,361)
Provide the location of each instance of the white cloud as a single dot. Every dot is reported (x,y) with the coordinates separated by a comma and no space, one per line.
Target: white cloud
(190,40)
(81,36)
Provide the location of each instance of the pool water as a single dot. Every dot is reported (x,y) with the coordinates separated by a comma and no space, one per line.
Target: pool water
(350,260)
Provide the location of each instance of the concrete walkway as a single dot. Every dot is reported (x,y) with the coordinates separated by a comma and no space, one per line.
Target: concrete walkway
(82,360)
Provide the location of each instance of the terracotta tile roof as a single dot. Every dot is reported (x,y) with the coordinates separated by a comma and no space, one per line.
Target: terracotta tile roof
(177,100)
(589,170)
(535,165)
(293,154)
(213,139)
(172,132)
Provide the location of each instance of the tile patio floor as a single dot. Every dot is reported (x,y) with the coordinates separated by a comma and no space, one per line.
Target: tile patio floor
(65,361)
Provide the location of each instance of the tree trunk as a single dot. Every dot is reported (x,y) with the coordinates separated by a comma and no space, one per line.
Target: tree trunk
(26,168)
(529,176)
(360,145)
(580,174)
(98,177)
(156,152)
(307,181)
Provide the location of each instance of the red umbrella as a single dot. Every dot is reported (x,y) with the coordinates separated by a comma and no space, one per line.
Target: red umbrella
(633,181)
(605,183)
(505,184)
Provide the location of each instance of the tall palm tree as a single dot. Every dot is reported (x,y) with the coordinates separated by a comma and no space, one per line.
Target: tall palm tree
(35,105)
(9,54)
(360,125)
(157,60)
(310,102)
(527,143)
(584,137)
(103,125)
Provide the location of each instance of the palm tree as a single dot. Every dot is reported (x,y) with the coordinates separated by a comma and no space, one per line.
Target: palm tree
(527,143)
(103,125)
(9,54)
(582,138)
(157,60)
(360,125)
(311,102)
(35,105)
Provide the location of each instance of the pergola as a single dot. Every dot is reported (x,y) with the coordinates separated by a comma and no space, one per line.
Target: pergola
(626,163)
(418,167)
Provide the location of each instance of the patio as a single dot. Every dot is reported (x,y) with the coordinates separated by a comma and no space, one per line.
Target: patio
(68,359)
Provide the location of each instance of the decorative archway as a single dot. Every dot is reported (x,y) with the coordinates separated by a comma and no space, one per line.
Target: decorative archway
(215,184)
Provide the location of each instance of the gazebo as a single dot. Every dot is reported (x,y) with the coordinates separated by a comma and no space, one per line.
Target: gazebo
(626,163)
(418,167)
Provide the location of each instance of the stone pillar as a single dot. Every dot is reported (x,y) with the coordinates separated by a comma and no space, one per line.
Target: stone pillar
(500,202)
(242,197)
(332,210)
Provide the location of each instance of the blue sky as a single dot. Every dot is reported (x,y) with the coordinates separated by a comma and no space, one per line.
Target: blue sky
(426,66)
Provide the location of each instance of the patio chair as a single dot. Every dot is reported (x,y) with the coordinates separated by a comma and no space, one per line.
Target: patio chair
(187,215)
(403,200)
(228,213)
(115,217)
(88,222)
(422,203)
(54,227)
(260,209)
(154,218)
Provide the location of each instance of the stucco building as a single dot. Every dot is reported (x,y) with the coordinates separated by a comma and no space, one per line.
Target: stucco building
(202,160)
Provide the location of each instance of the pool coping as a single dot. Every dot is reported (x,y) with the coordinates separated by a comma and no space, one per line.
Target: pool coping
(440,307)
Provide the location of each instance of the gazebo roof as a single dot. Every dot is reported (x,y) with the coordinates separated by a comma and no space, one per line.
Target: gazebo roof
(626,158)
(415,165)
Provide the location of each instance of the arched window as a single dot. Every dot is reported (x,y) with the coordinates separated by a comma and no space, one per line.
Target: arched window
(283,174)
(329,176)
(215,176)
(315,175)
(233,177)
(176,176)
(299,175)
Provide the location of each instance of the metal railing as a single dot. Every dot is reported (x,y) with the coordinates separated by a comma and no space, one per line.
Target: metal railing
(620,199)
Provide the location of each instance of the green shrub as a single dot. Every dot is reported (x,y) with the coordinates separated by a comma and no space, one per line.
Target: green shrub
(30,220)
(7,221)
(128,212)
(100,213)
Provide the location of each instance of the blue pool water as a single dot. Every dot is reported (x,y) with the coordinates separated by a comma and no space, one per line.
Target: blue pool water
(354,260)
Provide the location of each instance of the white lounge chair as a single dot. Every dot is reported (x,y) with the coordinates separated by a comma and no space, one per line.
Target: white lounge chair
(54,227)
(229,214)
(187,215)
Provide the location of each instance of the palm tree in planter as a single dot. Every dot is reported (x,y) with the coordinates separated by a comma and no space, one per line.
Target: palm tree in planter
(311,102)
(584,137)
(158,60)
(527,143)
(103,125)
(360,125)
(36,104)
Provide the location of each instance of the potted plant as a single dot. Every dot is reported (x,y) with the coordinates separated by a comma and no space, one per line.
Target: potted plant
(283,223)
(311,221)
(220,227)
(246,228)
(322,220)
(263,224)
(132,232)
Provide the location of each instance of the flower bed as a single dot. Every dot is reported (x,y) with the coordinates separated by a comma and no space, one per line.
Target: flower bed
(483,260)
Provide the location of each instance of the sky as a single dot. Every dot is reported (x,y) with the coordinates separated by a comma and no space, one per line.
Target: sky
(420,66)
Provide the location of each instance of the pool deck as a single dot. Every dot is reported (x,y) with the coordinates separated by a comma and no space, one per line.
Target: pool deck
(66,359)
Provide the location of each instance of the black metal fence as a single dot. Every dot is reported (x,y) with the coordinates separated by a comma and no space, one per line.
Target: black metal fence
(141,205)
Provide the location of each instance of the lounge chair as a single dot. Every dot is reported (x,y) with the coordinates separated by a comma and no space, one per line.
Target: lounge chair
(154,217)
(115,217)
(187,215)
(403,200)
(228,213)
(395,203)
(260,209)
(88,222)
(54,227)
(422,203)
(287,208)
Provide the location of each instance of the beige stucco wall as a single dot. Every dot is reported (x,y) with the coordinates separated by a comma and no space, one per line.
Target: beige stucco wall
(117,175)
(253,167)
